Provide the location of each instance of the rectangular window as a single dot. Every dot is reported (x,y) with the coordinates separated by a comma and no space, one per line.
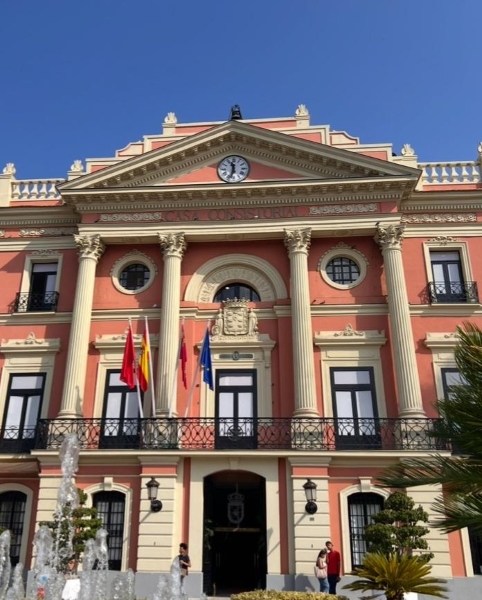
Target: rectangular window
(448,280)
(235,409)
(42,292)
(22,410)
(354,408)
(361,508)
(450,377)
(120,420)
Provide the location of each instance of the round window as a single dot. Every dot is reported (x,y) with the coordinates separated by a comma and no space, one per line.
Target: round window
(134,277)
(342,270)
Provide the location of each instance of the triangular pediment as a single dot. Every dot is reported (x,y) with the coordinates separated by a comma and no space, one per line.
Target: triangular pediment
(273,156)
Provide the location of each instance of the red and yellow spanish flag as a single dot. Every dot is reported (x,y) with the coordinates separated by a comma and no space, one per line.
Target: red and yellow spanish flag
(143,365)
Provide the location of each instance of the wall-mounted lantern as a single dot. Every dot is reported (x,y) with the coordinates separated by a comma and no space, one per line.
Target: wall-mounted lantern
(152,490)
(310,493)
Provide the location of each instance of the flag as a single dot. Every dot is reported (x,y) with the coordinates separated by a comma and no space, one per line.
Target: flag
(128,375)
(143,364)
(183,357)
(207,362)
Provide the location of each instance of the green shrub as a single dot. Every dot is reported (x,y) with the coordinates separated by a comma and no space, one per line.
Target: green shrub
(280,595)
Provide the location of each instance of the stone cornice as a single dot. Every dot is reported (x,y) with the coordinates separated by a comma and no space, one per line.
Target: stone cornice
(30,345)
(205,196)
(32,216)
(349,336)
(441,340)
(440,200)
(195,149)
(33,244)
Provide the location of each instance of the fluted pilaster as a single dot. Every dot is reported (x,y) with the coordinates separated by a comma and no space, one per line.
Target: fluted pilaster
(403,350)
(298,243)
(173,246)
(90,249)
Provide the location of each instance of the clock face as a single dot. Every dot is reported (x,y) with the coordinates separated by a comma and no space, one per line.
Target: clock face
(233,169)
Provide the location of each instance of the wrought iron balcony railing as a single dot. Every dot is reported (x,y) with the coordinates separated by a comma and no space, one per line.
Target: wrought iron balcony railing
(26,302)
(14,440)
(454,292)
(242,434)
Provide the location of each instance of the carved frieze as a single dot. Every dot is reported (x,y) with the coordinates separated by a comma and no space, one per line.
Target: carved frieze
(156,216)
(47,252)
(348,332)
(298,240)
(30,344)
(133,254)
(48,231)
(440,218)
(443,240)
(335,209)
(235,319)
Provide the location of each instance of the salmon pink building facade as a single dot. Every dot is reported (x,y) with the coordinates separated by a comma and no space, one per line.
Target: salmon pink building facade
(330,276)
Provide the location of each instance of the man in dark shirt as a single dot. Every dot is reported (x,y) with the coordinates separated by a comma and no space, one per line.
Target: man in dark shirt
(334,563)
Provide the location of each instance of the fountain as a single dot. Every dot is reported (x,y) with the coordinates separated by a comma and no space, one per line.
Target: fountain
(51,578)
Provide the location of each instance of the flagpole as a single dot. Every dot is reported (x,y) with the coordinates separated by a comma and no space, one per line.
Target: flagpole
(139,400)
(176,371)
(196,372)
(134,368)
(153,397)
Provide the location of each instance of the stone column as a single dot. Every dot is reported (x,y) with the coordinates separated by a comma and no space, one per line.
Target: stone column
(173,246)
(298,243)
(403,350)
(91,249)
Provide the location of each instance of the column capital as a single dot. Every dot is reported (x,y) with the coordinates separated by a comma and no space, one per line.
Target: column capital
(298,240)
(89,246)
(389,237)
(173,244)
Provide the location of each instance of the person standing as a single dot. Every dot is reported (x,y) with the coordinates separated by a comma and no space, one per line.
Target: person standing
(333,560)
(322,572)
(184,561)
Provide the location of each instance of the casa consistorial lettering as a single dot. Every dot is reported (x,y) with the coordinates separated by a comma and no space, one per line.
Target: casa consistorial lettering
(389,237)
(335,209)
(298,240)
(173,244)
(89,246)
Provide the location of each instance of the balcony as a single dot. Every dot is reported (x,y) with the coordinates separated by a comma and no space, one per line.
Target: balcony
(453,292)
(192,434)
(17,441)
(26,302)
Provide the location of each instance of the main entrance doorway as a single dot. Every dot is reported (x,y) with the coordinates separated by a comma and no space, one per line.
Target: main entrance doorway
(234,553)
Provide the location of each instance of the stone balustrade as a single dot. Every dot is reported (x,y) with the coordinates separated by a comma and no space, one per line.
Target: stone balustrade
(443,173)
(35,189)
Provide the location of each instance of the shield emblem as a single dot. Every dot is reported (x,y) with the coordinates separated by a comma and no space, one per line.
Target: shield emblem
(235,508)
(236,319)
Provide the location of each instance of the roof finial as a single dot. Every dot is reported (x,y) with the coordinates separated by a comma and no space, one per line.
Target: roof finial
(235,113)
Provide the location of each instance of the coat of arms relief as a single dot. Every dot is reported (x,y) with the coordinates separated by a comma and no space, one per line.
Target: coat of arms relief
(235,319)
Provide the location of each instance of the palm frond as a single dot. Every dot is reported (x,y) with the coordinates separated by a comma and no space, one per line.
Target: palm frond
(396,575)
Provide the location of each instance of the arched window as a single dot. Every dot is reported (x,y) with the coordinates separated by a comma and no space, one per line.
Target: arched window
(12,515)
(361,508)
(111,509)
(236,290)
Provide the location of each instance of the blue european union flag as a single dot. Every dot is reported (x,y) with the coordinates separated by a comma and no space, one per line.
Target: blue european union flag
(207,362)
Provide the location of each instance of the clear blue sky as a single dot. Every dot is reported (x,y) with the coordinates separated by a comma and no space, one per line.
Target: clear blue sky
(81,78)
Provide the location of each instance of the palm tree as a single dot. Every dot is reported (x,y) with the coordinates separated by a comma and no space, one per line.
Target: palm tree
(461,426)
(395,575)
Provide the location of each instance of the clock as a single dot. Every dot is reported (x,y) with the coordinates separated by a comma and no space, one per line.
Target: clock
(233,169)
